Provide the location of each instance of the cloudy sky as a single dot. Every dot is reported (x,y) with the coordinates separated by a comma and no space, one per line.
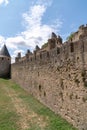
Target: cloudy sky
(27,23)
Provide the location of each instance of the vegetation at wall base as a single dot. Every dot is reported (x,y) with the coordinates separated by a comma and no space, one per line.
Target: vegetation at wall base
(21,111)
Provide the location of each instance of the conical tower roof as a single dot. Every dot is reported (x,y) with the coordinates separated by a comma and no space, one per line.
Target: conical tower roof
(4,51)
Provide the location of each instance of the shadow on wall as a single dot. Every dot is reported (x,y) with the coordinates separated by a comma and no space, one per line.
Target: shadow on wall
(6,75)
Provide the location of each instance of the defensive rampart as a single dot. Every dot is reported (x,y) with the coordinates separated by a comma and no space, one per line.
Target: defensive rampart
(57,77)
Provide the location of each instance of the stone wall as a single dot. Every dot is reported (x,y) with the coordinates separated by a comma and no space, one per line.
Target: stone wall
(58,79)
(5,67)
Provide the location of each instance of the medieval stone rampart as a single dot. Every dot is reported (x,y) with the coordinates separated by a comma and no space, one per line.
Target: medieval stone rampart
(57,76)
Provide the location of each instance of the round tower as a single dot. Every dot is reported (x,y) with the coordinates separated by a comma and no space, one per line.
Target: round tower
(5,63)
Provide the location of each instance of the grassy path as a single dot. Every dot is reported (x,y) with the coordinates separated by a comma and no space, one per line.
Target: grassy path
(20,111)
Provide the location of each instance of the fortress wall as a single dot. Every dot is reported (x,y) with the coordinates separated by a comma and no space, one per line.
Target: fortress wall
(58,79)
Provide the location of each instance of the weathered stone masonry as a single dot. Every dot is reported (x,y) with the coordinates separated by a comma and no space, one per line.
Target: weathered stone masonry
(57,77)
(5,63)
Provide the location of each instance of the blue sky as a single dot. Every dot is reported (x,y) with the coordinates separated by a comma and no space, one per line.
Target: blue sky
(27,23)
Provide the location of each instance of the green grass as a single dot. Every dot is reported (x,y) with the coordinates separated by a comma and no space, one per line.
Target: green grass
(9,117)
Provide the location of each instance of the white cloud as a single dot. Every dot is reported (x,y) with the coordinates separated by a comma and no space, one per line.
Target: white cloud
(34,15)
(4,2)
(2,40)
(14,42)
(45,2)
(36,33)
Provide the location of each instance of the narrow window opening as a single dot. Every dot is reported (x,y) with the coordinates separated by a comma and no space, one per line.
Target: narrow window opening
(83,47)
(39,87)
(35,57)
(58,50)
(44,94)
(38,74)
(48,54)
(40,56)
(77,58)
(31,59)
(72,47)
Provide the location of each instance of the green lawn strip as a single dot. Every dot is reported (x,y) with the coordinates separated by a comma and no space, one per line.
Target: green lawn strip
(55,122)
(8,116)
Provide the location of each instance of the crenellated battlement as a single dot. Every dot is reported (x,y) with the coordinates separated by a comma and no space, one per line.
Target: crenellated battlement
(53,42)
(55,48)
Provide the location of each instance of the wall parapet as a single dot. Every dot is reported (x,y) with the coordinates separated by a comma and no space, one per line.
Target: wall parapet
(55,47)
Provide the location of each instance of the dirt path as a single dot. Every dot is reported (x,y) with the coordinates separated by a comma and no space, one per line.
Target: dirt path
(26,115)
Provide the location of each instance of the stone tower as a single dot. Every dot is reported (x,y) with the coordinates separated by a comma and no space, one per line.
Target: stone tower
(5,63)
